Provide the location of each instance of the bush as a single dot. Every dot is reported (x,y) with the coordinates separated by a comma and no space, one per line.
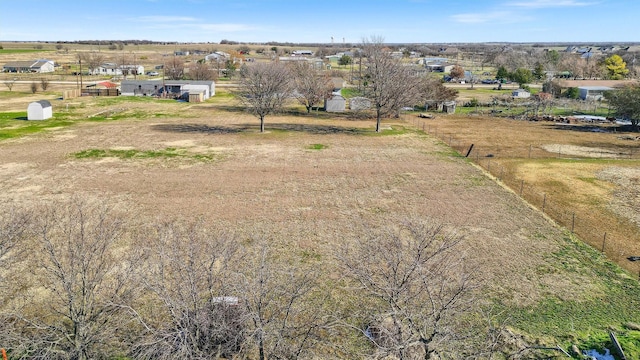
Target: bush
(572,93)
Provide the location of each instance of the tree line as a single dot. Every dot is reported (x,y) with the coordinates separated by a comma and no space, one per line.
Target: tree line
(82,280)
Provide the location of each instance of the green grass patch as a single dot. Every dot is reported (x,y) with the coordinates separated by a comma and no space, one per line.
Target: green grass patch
(584,322)
(167,153)
(15,124)
(350,92)
(316,147)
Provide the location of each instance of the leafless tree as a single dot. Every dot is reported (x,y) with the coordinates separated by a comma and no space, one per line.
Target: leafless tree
(433,92)
(44,84)
(200,70)
(9,84)
(457,72)
(189,311)
(92,60)
(81,267)
(174,69)
(311,85)
(264,88)
(282,304)
(411,290)
(34,87)
(389,85)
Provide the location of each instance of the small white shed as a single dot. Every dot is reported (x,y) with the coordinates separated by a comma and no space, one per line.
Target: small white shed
(39,110)
(521,94)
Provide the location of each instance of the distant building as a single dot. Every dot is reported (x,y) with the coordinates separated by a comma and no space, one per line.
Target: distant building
(521,94)
(302,53)
(182,89)
(593,92)
(31,66)
(336,103)
(110,69)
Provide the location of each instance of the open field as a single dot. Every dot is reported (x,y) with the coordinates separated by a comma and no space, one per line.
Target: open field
(315,180)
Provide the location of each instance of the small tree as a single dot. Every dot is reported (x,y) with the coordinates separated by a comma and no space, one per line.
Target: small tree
(626,103)
(389,84)
(44,84)
(311,85)
(616,67)
(9,84)
(34,87)
(345,60)
(174,69)
(200,70)
(264,88)
(230,68)
(502,73)
(410,288)
(538,72)
(522,76)
(457,72)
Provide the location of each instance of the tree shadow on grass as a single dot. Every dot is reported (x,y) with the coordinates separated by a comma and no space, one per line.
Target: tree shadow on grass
(255,128)
(198,128)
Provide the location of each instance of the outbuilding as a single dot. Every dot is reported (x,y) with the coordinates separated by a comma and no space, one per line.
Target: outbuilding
(336,103)
(39,110)
(521,94)
(593,92)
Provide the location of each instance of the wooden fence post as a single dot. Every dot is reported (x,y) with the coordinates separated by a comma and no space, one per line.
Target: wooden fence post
(604,240)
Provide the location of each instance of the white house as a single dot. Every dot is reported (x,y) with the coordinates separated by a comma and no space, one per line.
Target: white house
(521,94)
(35,66)
(116,70)
(217,56)
(39,110)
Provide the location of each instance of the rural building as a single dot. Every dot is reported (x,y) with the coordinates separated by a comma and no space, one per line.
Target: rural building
(302,53)
(31,66)
(337,103)
(359,103)
(180,89)
(521,94)
(593,92)
(39,110)
(117,70)
(449,107)
(439,66)
(217,56)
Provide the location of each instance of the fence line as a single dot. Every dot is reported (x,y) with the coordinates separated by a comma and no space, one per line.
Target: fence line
(578,224)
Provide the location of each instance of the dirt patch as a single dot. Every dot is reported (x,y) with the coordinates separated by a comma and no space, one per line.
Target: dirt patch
(583,151)
(626,198)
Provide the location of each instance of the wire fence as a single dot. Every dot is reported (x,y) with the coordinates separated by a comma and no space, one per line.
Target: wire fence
(604,236)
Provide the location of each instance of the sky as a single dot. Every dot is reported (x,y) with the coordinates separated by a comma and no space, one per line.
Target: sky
(326,21)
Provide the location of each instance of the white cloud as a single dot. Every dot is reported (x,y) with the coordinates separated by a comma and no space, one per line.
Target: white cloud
(539,4)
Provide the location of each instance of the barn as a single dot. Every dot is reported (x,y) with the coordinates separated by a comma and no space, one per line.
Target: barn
(39,110)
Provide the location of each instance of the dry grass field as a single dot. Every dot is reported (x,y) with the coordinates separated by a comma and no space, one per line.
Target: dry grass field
(316,181)
(586,175)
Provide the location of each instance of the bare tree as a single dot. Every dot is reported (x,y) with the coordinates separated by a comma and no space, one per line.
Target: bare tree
(389,85)
(83,271)
(92,60)
(311,85)
(264,88)
(282,303)
(174,69)
(433,92)
(189,311)
(200,70)
(410,287)
(9,83)
(34,87)
(44,84)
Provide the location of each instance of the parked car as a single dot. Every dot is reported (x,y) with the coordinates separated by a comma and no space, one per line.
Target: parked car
(152,73)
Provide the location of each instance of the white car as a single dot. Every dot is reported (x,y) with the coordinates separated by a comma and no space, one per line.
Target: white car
(152,73)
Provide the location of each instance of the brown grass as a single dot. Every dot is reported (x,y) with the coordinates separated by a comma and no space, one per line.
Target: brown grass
(584,179)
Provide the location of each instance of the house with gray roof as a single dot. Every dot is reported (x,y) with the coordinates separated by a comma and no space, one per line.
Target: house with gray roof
(29,66)
(179,89)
